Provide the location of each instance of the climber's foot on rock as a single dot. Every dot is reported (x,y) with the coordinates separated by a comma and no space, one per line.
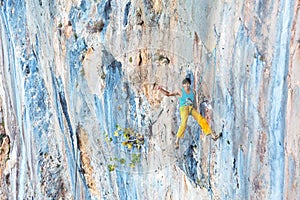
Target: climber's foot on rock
(215,136)
(176,144)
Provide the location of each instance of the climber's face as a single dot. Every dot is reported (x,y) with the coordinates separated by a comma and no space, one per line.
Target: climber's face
(186,86)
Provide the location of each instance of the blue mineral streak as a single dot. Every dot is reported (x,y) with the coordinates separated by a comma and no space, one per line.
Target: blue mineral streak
(10,23)
(278,101)
(36,110)
(114,74)
(127,8)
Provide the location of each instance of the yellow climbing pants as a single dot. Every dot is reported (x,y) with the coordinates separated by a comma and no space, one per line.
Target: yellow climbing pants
(185,111)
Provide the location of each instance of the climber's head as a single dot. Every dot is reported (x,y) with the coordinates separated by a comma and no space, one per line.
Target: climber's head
(186,81)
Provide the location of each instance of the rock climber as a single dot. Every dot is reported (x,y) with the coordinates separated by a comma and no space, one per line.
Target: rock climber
(187,107)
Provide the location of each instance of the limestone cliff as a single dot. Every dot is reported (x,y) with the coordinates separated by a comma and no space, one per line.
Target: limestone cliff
(81,117)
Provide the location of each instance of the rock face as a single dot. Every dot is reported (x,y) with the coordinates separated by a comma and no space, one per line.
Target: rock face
(81,117)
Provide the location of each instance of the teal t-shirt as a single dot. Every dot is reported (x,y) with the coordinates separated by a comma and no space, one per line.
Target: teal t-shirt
(187,99)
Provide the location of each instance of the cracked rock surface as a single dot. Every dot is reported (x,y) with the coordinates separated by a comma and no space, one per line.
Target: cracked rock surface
(81,116)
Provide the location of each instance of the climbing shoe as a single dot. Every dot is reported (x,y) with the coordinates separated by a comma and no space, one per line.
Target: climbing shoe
(215,135)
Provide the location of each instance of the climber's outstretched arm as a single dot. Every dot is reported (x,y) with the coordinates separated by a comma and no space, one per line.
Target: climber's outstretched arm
(168,93)
(195,102)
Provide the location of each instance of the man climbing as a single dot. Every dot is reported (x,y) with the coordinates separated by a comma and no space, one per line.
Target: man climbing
(186,102)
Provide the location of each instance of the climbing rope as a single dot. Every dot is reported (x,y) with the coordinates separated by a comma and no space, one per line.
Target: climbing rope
(209,159)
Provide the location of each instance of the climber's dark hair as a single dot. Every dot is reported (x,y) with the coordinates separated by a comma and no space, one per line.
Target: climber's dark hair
(187,80)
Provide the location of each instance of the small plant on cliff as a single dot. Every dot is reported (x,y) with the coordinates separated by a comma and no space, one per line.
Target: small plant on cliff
(135,159)
(59,25)
(131,140)
(107,138)
(111,167)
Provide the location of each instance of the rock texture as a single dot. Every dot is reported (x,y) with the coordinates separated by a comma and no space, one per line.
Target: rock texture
(81,117)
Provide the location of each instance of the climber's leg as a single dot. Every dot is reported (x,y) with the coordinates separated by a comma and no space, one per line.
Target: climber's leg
(201,121)
(184,114)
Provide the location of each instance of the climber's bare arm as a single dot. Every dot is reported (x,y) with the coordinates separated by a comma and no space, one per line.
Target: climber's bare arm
(168,93)
(195,103)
